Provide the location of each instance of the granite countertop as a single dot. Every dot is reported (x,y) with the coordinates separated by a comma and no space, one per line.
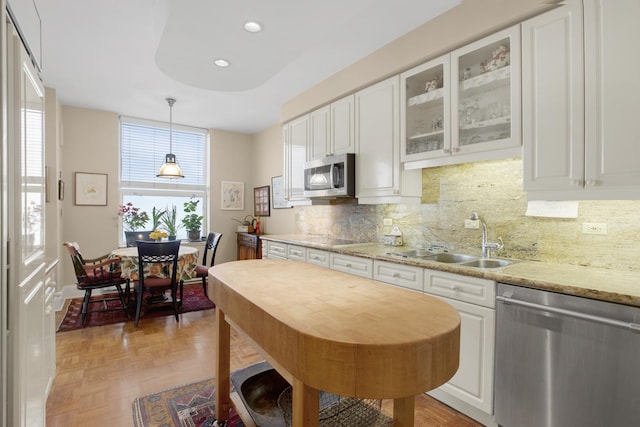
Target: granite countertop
(597,283)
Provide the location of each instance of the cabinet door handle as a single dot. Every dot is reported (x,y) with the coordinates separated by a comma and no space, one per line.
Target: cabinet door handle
(592,182)
(396,275)
(348,265)
(576,182)
(446,151)
(455,149)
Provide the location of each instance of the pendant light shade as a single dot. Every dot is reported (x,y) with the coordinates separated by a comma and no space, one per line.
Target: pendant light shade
(170,169)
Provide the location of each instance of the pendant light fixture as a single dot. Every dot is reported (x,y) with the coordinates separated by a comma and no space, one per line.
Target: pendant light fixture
(170,169)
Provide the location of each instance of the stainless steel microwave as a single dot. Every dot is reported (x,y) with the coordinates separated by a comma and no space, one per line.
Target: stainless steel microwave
(330,177)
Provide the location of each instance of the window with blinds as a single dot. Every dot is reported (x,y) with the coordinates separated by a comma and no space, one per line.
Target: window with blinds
(143,146)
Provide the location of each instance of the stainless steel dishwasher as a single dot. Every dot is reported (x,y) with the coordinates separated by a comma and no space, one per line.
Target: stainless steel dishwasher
(565,361)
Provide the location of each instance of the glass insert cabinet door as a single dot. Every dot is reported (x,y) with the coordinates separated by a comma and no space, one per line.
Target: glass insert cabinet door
(487,93)
(425,110)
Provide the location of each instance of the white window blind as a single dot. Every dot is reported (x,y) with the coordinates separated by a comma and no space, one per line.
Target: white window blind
(144,145)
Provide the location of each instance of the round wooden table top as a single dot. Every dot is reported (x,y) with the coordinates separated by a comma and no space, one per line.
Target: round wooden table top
(338,332)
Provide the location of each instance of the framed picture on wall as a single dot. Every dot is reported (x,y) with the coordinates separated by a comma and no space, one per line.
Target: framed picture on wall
(232,196)
(261,204)
(90,189)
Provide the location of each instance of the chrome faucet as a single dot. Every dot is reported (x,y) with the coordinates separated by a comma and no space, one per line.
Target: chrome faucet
(486,246)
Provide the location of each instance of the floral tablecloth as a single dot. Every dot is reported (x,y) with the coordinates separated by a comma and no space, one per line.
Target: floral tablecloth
(187,262)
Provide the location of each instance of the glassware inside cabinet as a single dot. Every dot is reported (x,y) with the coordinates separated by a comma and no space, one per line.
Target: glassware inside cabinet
(425,111)
(484,100)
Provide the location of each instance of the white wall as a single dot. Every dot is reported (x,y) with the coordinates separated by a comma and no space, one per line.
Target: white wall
(231,160)
(90,144)
(267,163)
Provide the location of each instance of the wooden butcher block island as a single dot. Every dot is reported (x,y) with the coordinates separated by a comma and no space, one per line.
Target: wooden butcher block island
(331,331)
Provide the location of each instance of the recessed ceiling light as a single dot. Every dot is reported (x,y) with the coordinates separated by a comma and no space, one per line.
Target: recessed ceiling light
(222,63)
(252,26)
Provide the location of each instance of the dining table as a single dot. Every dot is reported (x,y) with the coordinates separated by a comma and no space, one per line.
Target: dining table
(187,262)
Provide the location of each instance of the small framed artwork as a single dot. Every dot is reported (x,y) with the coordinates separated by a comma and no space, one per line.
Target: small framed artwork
(277,193)
(91,189)
(232,196)
(261,204)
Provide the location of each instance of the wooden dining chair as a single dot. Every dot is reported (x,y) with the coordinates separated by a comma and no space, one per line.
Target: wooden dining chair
(202,271)
(98,273)
(157,273)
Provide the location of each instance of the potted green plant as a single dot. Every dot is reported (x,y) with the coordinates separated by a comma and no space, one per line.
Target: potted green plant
(192,222)
(170,222)
(133,219)
(156,218)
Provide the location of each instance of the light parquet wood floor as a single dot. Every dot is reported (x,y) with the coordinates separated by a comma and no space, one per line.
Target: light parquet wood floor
(101,370)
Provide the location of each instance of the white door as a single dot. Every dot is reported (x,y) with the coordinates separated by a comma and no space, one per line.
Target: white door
(26,189)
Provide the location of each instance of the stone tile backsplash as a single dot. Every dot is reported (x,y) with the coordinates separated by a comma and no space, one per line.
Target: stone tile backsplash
(493,190)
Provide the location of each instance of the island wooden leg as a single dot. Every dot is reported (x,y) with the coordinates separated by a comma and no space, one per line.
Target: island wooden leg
(223,366)
(403,411)
(305,405)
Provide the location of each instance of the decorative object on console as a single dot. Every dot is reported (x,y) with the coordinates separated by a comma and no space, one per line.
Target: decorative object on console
(170,169)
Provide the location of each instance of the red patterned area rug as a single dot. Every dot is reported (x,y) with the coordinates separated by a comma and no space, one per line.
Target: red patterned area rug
(191,405)
(193,300)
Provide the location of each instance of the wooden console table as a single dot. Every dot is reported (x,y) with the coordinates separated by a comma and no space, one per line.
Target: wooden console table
(326,330)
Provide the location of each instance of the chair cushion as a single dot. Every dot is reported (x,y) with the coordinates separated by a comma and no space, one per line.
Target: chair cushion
(202,270)
(155,282)
(99,278)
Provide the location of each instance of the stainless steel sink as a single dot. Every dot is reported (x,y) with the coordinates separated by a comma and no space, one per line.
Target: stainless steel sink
(451,258)
(488,263)
(414,253)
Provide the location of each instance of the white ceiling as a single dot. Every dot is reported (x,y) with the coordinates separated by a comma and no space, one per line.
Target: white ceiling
(127,56)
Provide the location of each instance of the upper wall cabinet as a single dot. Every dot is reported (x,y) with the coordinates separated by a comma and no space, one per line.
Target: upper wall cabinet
(483,104)
(332,129)
(379,174)
(425,132)
(580,85)
(295,138)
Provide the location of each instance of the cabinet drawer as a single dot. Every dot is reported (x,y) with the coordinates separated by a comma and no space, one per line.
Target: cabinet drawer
(318,257)
(397,274)
(277,250)
(462,288)
(247,240)
(353,265)
(297,253)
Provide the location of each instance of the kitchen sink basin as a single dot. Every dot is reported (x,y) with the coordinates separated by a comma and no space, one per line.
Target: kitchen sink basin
(414,253)
(450,258)
(488,263)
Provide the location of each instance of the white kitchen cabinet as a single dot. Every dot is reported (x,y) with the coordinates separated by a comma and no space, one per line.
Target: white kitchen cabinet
(275,250)
(553,99)
(297,253)
(470,390)
(473,382)
(49,348)
(406,276)
(332,129)
(357,266)
(486,95)
(379,174)
(318,257)
(295,137)
(480,104)
(464,288)
(580,84)
(425,111)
